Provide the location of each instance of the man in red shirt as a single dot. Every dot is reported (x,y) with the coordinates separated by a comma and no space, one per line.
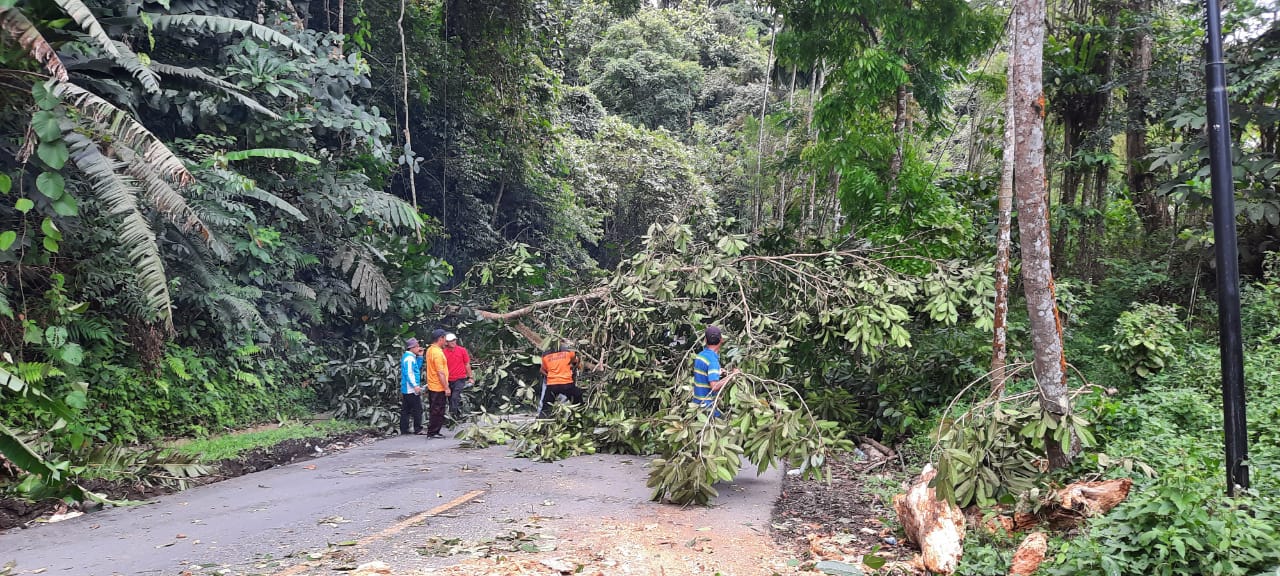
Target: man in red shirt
(459,373)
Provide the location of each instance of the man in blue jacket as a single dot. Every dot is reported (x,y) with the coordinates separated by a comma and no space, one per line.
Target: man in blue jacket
(411,386)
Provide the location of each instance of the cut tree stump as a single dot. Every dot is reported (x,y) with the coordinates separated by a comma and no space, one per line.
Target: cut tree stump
(937,526)
(1030,555)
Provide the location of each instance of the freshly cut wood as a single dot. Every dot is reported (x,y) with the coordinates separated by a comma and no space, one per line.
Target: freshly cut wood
(937,526)
(1030,555)
(1073,504)
(1094,498)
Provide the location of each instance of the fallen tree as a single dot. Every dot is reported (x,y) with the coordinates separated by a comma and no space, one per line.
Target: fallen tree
(783,315)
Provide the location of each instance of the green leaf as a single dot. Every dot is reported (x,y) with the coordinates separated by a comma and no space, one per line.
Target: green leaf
(51,184)
(24,205)
(45,125)
(43,97)
(66,206)
(270,153)
(51,245)
(53,153)
(6,183)
(55,336)
(7,238)
(78,400)
(72,354)
(50,229)
(873,562)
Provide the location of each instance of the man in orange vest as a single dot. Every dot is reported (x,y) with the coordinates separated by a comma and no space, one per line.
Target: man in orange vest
(558,368)
(437,377)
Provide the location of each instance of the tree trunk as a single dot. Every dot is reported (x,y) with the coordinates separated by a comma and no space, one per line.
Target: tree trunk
(900,136)
(1027,92)
(410,159)
(764,108)
(1004,217)
(1151,209)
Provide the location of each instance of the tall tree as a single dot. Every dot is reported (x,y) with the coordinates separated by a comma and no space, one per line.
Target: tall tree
(1027,96)
(1150,207)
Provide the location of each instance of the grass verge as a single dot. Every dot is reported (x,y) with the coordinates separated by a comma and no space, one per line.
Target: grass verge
(234,444)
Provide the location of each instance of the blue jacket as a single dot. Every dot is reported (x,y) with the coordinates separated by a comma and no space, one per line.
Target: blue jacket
(410,372)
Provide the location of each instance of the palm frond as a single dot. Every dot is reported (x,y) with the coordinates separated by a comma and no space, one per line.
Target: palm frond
(126,130)
(223,25)
(239,155)
(16,25)
(200,76)
(133,64)
(390,211)
(272,200)
(367,279)
(85,18)
(168,201)
(120,196)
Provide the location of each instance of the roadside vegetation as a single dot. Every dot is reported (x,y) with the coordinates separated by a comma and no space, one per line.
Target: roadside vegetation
(218,216)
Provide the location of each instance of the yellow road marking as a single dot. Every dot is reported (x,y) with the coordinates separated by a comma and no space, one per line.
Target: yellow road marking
(395,528)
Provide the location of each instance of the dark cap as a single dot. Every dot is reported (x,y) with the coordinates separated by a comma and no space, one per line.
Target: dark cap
(410,344)
(437,334)
(713,335)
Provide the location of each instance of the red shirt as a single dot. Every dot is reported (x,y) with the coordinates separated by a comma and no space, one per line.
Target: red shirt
(459,363)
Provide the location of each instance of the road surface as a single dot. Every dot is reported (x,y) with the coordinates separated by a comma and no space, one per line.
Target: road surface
(383,501)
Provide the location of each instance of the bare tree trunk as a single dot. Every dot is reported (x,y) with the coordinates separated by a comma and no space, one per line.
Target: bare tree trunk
(783,178)
(1151,209)
(815,86)
(1004,217)
(1033,215)
(764,108)
(410,160)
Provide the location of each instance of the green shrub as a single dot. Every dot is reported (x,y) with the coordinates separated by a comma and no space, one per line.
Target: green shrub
(1144,338)
(1180,524)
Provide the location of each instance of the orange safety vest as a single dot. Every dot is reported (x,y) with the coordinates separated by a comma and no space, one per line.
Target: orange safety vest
(558,367)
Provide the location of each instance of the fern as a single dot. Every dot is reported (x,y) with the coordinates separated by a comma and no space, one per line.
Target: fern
(17,26)
(84,17)
(237,310)
(200,76)
(90,329)
(121,199)
(223,25)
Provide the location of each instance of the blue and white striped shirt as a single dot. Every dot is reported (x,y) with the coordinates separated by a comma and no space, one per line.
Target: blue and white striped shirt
(706,369)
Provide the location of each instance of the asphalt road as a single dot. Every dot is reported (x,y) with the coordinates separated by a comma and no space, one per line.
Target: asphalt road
(380,501)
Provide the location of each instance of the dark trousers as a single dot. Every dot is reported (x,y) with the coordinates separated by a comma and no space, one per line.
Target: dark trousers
(410,407)
(570,391)
(435,421)
(455,398)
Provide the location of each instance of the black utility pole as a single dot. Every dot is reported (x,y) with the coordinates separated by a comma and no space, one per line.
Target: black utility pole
(1224,244)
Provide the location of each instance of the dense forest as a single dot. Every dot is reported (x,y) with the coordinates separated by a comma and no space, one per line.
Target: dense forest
(217,214)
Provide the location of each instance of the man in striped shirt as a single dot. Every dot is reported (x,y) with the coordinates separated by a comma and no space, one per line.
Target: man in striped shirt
(708,376)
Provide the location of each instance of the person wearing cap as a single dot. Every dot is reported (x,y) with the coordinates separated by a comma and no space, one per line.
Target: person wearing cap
(558,367)
(411,387)
(460,376)
(437,384)
(708,376)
